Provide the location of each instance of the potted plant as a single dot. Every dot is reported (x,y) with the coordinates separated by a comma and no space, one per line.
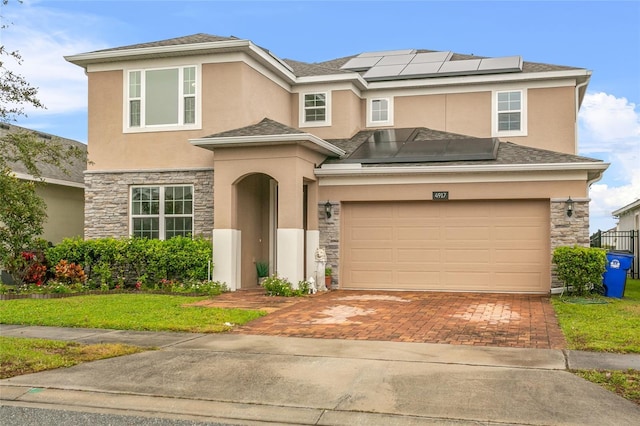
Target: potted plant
(327,277)
(262,269)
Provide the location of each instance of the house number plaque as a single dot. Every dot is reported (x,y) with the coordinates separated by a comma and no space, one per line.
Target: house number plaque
(440,195)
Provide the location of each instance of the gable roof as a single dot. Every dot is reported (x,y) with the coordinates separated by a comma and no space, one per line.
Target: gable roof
(207,43)
(266,127)
(266,133)
(50,173)
(627,209)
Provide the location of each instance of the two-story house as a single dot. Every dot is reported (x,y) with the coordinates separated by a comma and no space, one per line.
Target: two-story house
(413,169)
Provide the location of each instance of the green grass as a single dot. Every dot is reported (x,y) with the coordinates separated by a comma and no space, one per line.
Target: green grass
(20,355)
(125,312)
(610,327)
(624,383)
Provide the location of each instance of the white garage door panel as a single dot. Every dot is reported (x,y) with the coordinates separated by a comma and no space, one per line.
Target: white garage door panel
(449,246)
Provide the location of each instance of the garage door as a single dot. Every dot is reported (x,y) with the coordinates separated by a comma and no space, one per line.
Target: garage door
(499,246)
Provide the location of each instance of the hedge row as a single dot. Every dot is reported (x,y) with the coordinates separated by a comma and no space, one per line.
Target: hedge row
(127,261)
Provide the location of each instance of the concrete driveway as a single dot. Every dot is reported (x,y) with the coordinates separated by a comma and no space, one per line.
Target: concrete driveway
(250,380)
(477,319)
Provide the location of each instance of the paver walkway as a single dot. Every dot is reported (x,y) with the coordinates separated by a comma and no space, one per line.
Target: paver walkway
(504,320)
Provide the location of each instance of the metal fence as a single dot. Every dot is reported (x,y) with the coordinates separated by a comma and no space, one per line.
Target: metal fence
(625,241)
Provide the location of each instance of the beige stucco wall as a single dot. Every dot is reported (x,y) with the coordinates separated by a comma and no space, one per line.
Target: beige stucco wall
(457,191)
(464,113)
(551,115)
(65,212)
(290,165)
(233,95)
(347,113)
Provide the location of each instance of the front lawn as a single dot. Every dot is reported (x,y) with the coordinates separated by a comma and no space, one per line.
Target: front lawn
(20,355)
(125,312)
(608,325)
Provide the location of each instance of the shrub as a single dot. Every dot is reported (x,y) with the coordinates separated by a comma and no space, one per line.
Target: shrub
(276,286)
(70,273)
(124,262)
(580,268)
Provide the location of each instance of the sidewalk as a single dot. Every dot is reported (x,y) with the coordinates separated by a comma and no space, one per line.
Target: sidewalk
(244,379)
(573,360)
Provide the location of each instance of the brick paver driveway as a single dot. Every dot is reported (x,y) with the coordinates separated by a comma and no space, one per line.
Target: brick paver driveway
(506,320)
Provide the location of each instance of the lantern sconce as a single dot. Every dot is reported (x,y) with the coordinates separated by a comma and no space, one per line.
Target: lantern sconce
(569,204)
(328,209)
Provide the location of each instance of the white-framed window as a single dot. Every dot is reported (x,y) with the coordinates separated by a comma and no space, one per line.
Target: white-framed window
(315,109)
(509,113)
(161,211)
(162,99)
(379,112)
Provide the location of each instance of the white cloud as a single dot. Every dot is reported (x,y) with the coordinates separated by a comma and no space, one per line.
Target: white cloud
(43,37)
(610,126)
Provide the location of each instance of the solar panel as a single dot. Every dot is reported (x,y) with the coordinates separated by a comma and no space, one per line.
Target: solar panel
(507,63)
(387,53)
(465,66)
(421,69)
(395,60)
(403,64)
(400,146)
(382,72)
(421,58)
(361,63)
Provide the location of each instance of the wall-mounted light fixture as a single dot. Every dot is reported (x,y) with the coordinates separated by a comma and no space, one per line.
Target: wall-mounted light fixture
(328,209)
(569,205)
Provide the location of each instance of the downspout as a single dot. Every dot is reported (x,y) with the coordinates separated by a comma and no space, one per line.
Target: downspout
(577,111)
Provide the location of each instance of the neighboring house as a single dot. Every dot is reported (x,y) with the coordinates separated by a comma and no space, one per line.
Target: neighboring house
(413,169)
(628,217)
(63,193)
(628,232)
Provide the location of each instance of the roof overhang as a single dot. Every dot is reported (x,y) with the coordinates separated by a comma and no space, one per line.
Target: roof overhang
(594,170)
(69,183)
(628,207)
(306,139)
(264,57)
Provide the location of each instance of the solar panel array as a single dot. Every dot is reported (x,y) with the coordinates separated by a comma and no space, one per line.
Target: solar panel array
(401,146)
(403,64)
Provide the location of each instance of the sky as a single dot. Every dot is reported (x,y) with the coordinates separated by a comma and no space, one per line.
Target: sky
(603,37)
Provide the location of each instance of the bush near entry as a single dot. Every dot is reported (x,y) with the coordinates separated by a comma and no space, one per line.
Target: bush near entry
(580,268)
(125,262)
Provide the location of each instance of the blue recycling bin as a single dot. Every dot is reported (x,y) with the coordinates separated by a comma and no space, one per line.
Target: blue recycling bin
(615,277)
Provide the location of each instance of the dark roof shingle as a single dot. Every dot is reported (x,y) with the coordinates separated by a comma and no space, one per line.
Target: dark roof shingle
(266,127)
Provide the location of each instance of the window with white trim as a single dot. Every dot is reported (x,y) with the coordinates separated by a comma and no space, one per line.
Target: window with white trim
(315,109)
(164,97)
(509,117)
(161,212)
(379,112)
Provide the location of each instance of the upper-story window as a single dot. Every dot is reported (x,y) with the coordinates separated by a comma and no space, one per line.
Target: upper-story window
(161,212)
(509,113)
(379,112)
(162,99)
(315,109)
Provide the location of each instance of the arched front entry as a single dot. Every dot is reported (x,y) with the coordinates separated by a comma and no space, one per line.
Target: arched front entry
(256,219)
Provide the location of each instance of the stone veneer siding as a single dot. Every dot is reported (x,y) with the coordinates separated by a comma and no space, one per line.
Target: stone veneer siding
(568,231)
(107,199)
(330,239)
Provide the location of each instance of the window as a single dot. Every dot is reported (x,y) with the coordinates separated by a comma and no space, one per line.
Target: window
(161,212)
(380,112)
(509,113)
(315,109)
(162,98)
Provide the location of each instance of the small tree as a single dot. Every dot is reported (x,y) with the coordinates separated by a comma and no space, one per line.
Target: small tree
(580,268)
(22,213)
